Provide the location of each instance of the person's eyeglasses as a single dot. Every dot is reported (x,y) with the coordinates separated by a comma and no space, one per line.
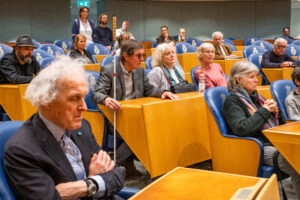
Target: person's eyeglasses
(281,46)
(140,56)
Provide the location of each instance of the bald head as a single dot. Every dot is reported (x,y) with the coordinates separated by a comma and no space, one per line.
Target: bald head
(280,45)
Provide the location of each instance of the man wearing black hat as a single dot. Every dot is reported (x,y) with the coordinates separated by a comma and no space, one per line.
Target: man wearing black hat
(19,66)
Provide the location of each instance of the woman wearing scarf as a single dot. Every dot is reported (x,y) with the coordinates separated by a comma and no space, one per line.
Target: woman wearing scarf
(166,72)
(247,114)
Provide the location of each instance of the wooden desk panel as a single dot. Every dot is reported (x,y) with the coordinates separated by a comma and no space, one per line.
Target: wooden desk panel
(92,67)
(238,53)
(188,77)
(238,42)
(240,48)
(164,134)
(183,183)
(188,61)
(286,138)
(146,44)
(274,74)
(228,64)
(265,91)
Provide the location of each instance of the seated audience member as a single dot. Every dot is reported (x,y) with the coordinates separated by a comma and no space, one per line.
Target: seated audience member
(19,66)
(222,51)
(277,57)
(124,29)
(181,36)
(84,26)
(54,155)
(131,83)
(165,72)
(104,34)
(247,113)
(80,51)
(213,73)
(292,101)
(123,37)
(164,36)
(286,34)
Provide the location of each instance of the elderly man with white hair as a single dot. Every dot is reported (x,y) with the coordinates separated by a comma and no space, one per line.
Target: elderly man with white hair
(222,51)
(54,155)
(277,57)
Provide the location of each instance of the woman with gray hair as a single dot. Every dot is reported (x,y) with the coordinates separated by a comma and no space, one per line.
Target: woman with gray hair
(165,72)
(213,73)
(247,113)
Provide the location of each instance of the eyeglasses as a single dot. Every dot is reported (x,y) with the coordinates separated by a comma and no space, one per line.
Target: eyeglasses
(281,46)
(140,56)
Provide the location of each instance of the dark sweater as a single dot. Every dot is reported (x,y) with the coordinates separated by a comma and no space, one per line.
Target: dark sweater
(241,123)
(272,60)
(104,36)
(76,54)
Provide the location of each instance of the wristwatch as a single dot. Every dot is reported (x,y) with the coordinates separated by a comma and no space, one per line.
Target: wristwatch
(91,187)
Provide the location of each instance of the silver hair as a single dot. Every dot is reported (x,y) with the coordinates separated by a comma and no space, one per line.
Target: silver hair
(214,34)
(278,40)
(159,52)
(239,69)
(44,88)
(203,47)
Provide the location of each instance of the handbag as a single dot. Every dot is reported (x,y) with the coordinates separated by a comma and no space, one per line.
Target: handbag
(182,87)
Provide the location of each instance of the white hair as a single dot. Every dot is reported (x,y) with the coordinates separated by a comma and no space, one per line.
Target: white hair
(44,88)
(203,47)
(216,33)
(159,52)
(278,40)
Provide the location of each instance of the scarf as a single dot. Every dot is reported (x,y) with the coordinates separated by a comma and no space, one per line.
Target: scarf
(176,73)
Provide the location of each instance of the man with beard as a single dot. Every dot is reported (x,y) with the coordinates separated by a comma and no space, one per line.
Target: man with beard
(104,34)
(19,66)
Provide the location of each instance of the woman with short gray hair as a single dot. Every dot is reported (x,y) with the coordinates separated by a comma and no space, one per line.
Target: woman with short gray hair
(247,113)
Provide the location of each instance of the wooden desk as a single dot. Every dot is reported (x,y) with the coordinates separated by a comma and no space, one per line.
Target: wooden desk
(238,53)
(228,64)
(238,42)
(193,184)
(286,138)
(188,77)
(146,44)
(92,67)
(274,74)
(240,48)
(13,101)
(265,91)
(188,61)
(165,134)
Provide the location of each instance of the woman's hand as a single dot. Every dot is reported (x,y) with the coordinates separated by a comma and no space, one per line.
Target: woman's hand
(271,106)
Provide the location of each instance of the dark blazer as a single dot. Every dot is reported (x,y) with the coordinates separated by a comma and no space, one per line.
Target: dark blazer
(218,52)
(87,54)
(35,163)
(160,39)
(104,86)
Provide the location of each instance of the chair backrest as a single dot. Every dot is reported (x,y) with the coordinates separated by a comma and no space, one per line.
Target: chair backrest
(293,50)
(148,62)
(184,47)
(64,44)
(97,49)
(194,42)
(40,54)
(7,129)
(107,60)
(280,89)
(248,50)
(227,40)
(46,61)
(256,59)
(231,45)
(264,44)
(154,44)
(5,49)
(52,49)
(215,98)
(36,43)
(296,42)
(192,74)
(249,41)
(88,98)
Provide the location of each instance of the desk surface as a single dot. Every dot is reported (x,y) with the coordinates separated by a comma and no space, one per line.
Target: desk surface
(165,134)
(286,138)
(183,183)
(274,74)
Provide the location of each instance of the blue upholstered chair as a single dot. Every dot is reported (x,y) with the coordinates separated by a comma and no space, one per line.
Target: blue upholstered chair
(184,47)
(248,50)
(107,60)
(5,49)
(36,43)
(7,129)
(154,44)
(97,49)
(46,61)
(64,44)
(256,59)
(52,49)
(148,62)
(293,50)
(245,155)
(194,42)
(280,89)
(40,54)
(192,74)
(296,42)
(264,44)
(227,40)
(249,41)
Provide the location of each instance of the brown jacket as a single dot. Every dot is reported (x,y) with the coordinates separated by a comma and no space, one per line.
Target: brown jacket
(218,52)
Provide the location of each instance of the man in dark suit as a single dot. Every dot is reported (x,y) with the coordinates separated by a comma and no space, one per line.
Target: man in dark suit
(131,83)
(222,51)
(54,155)
(164,36)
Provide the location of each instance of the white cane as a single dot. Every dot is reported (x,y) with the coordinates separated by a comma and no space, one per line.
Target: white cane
(115,86)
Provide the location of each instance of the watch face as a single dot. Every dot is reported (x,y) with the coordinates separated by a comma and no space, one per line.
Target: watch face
(92,188)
